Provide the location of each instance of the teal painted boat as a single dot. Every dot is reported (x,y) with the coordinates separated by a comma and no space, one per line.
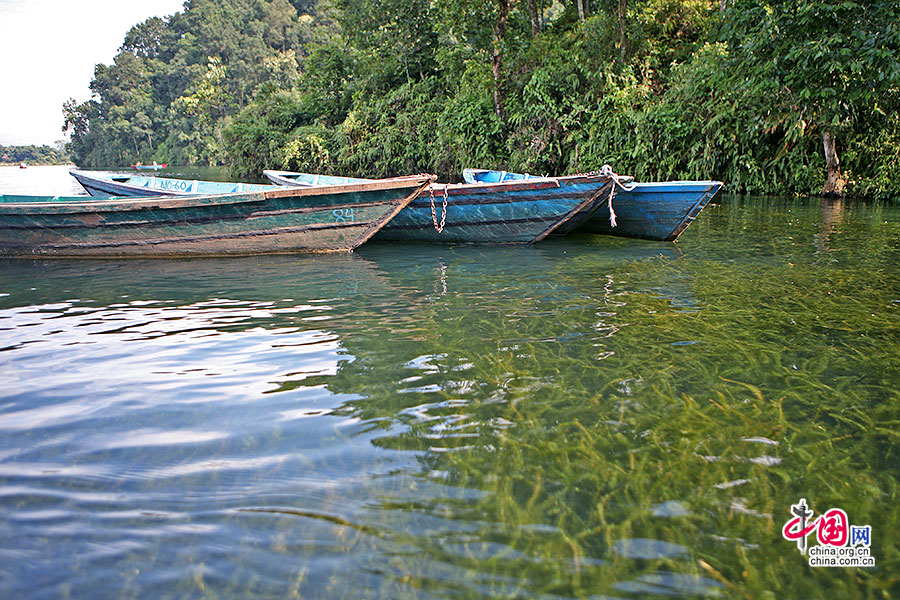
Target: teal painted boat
(307,179)
(648,210)
(657,210)
(313,219)
(503,212)
(103,184)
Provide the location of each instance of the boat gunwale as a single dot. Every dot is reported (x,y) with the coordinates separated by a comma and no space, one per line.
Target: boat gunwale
(463,187)
(127,204)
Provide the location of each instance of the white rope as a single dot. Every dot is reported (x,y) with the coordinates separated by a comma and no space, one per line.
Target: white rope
(606,171)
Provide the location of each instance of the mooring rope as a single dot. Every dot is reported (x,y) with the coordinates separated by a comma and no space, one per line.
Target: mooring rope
(606,171)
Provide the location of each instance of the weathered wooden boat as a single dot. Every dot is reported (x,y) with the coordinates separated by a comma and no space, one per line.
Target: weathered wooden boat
(102,184)
(153,167)
(315,219)
(307,179)
(507,212)
(658,210)
(651,210)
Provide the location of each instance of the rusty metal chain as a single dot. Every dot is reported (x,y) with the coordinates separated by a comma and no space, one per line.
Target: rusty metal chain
(438,228)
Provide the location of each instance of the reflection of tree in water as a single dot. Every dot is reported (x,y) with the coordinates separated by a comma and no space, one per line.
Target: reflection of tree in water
(832,216)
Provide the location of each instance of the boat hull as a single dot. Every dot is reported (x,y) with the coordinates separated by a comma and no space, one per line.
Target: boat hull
(521,213)
(653,211)
(508,212)
(284,220)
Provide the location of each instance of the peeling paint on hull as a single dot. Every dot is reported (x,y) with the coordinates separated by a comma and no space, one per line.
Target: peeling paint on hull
(336,219)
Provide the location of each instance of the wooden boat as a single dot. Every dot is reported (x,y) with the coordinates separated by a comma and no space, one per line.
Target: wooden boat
(153,167)
(652,210)
(103,184)
(508,212)
(307,179)
(318,219)
(659,210)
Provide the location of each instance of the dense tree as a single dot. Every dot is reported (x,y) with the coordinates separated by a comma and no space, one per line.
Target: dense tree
(394,31)
(34,155)
(790,96)
(176,81)
(832,64)
(146,39)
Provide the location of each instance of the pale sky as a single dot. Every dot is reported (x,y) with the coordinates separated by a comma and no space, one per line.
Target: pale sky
(48,49)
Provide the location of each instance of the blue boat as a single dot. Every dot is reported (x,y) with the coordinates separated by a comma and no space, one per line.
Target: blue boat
(652,210)
(293,178)
(103,184)
(503,212)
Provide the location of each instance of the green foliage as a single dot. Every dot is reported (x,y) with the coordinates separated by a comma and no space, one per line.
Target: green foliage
(704,124)
(176,82)
(328,80)
(831,68)
(309,150)
(667,89)
(469,132)
(876,158)
(257,137)
(33,155)
(833,59)
(399,34)
(385,135)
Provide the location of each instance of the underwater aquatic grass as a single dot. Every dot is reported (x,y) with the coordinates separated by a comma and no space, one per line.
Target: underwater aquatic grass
(586,418)
(724,386)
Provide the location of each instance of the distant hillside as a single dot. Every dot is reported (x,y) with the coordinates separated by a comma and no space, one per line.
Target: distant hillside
(33,155)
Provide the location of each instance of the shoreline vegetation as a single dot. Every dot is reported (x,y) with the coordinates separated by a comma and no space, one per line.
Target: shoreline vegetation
(34,155)
(796,97)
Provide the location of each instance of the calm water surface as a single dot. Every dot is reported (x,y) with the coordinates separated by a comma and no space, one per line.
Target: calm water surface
(586,418)
(39,180)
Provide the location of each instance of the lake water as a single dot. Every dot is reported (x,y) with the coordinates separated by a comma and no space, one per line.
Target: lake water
(586,418)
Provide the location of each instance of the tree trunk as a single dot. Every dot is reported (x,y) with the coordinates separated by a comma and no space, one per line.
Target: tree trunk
(834,182)
(535,20)
(622,33)
(497,57)
(584,9)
